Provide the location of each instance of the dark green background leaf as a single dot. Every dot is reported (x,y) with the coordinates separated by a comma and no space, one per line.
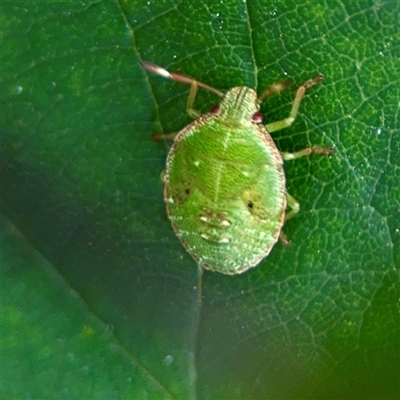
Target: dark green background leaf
(81,182)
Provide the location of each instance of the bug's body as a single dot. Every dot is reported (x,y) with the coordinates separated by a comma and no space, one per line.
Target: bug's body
(224,184)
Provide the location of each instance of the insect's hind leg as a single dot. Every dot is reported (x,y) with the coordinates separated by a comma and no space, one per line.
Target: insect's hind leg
(158,137)
(295,207)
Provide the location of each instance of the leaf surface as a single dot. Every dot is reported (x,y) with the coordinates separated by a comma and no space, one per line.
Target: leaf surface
(81,182)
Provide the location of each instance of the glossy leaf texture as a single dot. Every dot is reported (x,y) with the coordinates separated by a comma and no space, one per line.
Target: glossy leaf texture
(99,299)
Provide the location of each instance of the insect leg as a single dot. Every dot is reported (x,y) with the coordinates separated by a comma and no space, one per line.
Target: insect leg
(295,207)
(293,204)
(283,239)
(284,123)
(306,152)
(163,136)
(190,101)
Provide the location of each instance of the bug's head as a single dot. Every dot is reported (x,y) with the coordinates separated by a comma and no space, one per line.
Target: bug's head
(239,106)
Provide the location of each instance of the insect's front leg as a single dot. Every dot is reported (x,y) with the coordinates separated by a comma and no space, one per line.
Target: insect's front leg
(189,109)
(284,123)
(190,101)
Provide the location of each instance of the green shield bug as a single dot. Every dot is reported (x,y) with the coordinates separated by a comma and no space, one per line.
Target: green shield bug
(224,184)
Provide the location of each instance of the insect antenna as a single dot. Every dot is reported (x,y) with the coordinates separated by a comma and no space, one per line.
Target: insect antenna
(176,76)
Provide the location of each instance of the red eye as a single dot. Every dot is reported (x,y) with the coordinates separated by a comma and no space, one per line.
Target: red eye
(257,117)
(215,110)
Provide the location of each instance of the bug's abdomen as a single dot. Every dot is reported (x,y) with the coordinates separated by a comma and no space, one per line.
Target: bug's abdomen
(225,202)
(232,235)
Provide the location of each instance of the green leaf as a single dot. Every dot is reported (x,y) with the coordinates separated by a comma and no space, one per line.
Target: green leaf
(81,181)
(52,345)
